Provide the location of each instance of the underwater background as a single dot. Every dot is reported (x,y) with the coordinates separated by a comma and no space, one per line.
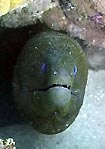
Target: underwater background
(88,129)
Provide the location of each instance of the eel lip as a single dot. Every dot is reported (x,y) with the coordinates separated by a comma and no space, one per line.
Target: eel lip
(55,85)
(51,86)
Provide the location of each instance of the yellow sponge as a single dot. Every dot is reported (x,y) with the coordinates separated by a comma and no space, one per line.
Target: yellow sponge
(15,3)
(4,7)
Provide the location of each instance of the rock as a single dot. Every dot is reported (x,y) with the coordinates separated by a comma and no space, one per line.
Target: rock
(26,14)
(86,22)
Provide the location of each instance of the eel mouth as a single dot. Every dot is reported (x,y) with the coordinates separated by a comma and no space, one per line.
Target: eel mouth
(51,86)
(55,85)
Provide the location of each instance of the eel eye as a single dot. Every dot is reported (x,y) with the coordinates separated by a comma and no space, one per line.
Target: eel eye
(44,67)
(75,70)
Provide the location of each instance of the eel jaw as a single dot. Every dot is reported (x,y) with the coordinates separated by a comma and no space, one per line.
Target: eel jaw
(52,86)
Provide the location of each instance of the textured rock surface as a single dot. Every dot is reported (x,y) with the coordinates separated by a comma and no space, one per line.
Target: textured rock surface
(26,14)
(87,132)
(86,22)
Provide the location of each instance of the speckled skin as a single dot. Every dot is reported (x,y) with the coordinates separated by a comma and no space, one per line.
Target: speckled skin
(50,78)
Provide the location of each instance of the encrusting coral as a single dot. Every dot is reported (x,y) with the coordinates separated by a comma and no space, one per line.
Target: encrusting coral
(7,144)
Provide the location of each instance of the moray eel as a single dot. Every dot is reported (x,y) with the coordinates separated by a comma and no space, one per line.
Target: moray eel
(49,81)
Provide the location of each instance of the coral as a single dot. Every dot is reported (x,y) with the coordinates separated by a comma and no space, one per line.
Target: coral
(7,144)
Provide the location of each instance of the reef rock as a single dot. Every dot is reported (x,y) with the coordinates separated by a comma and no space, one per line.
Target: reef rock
(86,21)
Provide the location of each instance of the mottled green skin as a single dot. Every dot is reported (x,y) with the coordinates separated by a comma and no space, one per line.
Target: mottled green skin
(53,110)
